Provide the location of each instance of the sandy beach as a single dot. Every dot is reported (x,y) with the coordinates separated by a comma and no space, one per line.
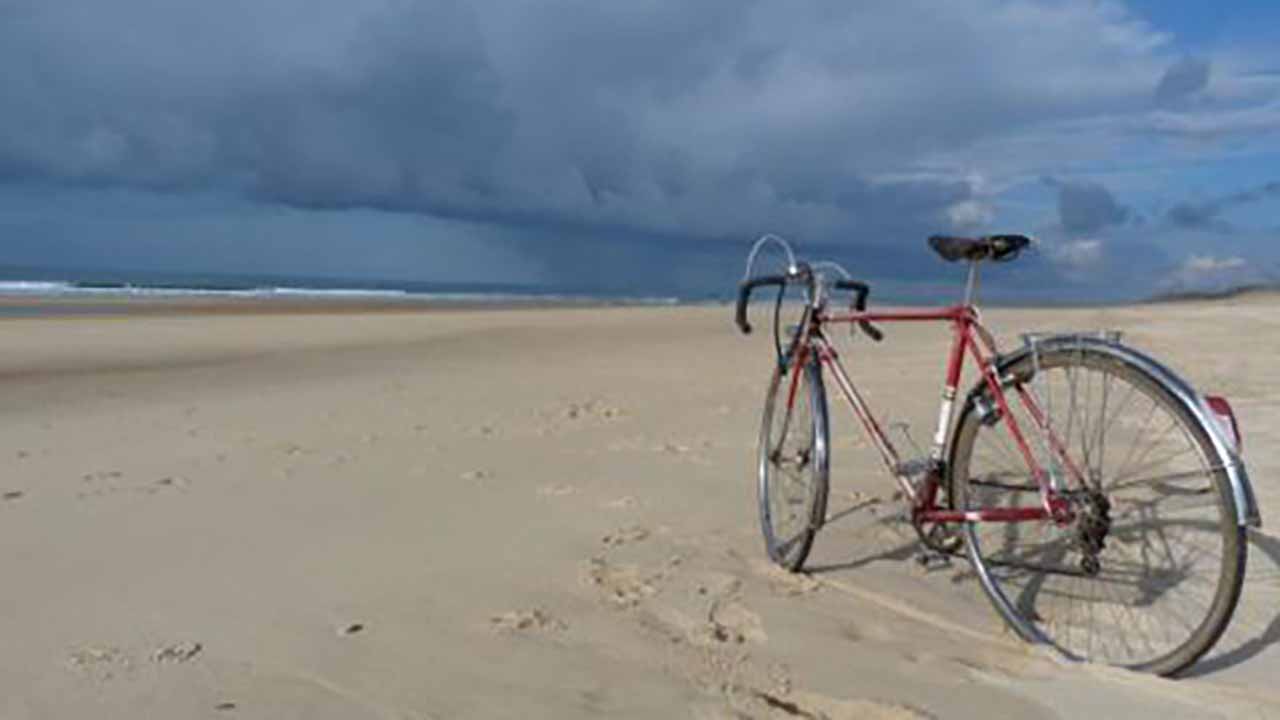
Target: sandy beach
(533,513)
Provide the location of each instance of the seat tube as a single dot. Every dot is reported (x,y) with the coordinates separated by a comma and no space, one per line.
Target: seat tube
(955,366)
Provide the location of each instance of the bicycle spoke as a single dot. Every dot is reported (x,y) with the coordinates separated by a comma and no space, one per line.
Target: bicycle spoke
(1131,460)
(1142,427)
(1134,586)
(792,485)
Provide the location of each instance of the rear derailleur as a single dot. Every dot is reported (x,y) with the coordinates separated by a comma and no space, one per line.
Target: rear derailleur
(1093,524)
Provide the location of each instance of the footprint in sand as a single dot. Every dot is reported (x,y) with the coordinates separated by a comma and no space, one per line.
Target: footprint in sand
(813,705)
(591,408)
(626,536)
(100,482)
(576,414)
(171,483)
(341,458)
(557,490)
(103,663)
(535,620)
(730,622)
(351,629)
(785,583)
(688,452)
(12,495)
(622,585)
(99,663)
(182,652)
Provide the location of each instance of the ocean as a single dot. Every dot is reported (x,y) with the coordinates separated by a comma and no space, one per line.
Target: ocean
(81,293)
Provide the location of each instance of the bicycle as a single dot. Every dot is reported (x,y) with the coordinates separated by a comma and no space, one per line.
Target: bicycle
(1072,518)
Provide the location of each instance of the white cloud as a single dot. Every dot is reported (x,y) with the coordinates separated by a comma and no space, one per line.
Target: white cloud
(706,119)
(1215,123)
(1077,255)
(828,120)
(1211,273)
(1208,264)
(971,214)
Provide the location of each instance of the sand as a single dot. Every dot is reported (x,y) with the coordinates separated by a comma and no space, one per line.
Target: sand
(515,514)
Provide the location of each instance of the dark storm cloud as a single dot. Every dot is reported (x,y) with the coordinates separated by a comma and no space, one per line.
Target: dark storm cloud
(697,120)
(1182,80)
(1085,207)
(1207,214)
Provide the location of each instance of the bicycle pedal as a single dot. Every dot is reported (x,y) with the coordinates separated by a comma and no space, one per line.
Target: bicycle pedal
(942,539)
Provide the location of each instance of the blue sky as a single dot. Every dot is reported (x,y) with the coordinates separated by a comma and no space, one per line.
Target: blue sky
(1201,26)
(642,146)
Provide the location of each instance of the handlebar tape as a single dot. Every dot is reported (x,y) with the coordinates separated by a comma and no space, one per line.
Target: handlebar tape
(744,296)
(860,293)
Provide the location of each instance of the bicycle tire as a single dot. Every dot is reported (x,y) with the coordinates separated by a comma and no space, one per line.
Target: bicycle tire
(1029,587)
(799,498)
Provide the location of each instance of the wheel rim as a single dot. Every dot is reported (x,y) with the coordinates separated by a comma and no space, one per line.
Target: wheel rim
(1135,580)
(791,460)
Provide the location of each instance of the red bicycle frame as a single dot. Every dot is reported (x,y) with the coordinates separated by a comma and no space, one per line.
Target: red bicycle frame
(973,340)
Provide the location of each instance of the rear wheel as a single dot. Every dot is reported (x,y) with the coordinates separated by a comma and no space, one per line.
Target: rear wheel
(1148,573)
(793,461)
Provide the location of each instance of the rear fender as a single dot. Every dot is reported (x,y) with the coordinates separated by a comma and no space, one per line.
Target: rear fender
(1247,513)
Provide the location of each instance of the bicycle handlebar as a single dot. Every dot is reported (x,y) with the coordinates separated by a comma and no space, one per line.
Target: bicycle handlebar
(860,292)
(744,296)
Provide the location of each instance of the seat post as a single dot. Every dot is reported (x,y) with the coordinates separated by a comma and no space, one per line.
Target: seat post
(971,286)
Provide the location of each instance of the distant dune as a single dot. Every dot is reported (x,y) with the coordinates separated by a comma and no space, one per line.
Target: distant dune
(1265,290)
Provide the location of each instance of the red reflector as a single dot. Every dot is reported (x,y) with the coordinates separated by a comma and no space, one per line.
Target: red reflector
(1226,420)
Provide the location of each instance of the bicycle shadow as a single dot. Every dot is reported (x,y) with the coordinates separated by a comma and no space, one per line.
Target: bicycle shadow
(1259,635)
(882,538)
(1254,629)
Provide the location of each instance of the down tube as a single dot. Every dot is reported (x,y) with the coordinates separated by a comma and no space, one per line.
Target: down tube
(888,453)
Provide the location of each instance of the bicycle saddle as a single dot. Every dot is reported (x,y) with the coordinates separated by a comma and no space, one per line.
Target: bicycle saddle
(999,248)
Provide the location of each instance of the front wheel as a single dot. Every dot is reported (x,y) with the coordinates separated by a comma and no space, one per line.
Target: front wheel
(793,460)
(1148,572)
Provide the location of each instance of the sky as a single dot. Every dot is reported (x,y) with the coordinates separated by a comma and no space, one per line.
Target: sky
(642,146)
